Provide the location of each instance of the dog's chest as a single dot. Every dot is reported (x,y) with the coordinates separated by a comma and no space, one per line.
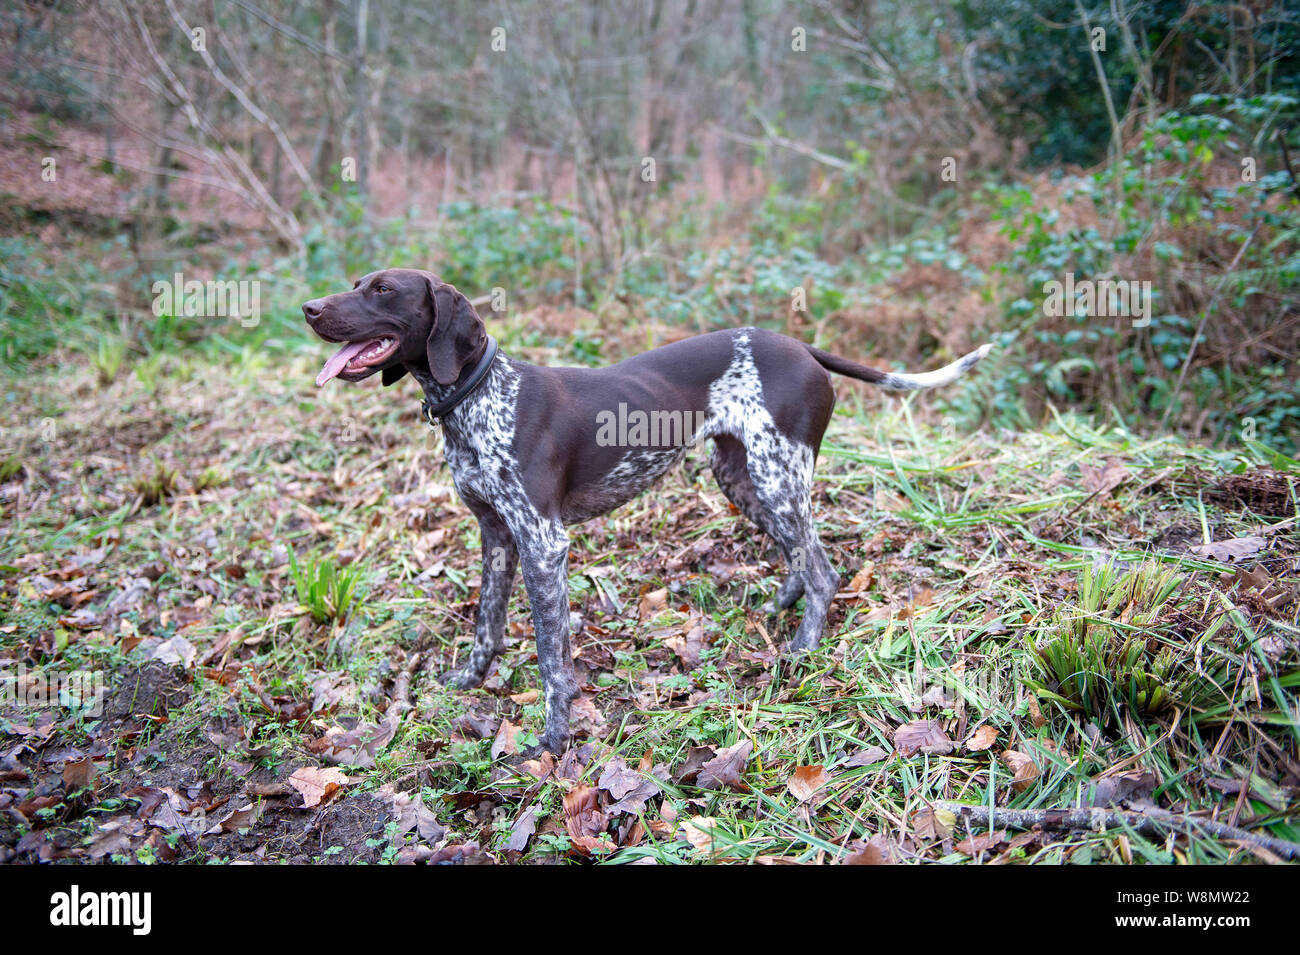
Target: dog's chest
(465,464)
(477,444)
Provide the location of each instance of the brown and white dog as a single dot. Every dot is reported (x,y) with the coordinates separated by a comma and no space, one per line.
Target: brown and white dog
(532,449)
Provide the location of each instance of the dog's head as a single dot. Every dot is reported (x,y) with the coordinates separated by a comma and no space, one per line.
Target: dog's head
(395,320)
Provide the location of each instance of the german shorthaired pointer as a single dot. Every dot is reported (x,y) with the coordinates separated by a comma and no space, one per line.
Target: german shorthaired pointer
(532,449)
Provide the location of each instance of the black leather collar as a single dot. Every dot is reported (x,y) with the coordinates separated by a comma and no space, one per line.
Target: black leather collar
(433,413)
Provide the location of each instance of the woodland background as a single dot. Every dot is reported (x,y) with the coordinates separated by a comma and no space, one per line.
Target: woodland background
(793,145)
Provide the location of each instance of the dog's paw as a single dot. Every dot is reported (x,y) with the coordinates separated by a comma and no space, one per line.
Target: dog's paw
(556,747)
(460,679)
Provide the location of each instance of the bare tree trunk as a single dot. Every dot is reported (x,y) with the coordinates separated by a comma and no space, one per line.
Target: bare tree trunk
(360,106)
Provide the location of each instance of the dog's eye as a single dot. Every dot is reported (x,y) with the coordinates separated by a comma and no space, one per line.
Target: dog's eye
(382,288)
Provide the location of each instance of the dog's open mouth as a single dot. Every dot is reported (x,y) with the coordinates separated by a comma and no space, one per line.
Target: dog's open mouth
(357,357)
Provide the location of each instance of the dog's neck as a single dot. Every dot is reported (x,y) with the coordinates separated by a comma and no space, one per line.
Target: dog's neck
(489,388)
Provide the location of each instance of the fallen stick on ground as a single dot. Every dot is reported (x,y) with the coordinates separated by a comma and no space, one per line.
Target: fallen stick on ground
(402,684)
(1146,821)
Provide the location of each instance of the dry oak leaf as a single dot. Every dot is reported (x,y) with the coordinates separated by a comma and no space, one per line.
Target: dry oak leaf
(629,788)
(863,579)
(524,827)
(1101,481)
(933,822)
(114,837)
(726,767)
(807,782)
(652,602)
(688,644)
(922,736)
(921,601)
(506,741)
(584,708)
(868,855)
(411,814)
(696,757)
(358,747)
(585,821)
(1238,548)
(982,843)
(175,652)
(877,851)
(79,773)
(245,817)
(1036,714)
(699,832)
(865,757)
(983,738)
(318,785)
(1134,788)
(582,815)
(1023,767)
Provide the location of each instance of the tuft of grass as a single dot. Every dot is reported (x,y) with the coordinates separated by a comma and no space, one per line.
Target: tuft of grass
(327,591)
(1117,649)
(156,487)
(110,352)
(210,478)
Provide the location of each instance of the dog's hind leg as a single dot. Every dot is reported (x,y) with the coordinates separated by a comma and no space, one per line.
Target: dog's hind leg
(780,473)
(730,467)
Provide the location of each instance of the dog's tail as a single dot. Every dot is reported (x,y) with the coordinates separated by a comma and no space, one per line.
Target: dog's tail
(898,382)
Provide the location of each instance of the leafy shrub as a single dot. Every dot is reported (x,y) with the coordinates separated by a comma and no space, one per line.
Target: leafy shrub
(528,250)
(1162,214)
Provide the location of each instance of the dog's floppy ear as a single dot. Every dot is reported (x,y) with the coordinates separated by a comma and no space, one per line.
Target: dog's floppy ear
(456,334)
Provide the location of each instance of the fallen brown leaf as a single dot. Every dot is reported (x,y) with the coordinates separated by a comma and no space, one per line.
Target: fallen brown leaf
(1228,551)
(982,739)
(981,843)
(79,773)
(864,578)
(699,832)
(865,757)
(1101,481)
(525,825)
(505,742)
(318,785)
(1023,767)
(807,781)
(725,769)
(922,736)
(652,602)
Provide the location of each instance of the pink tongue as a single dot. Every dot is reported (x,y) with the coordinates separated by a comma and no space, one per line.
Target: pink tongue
(339,361)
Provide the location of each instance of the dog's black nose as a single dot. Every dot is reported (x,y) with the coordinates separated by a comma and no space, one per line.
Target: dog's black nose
(312,310)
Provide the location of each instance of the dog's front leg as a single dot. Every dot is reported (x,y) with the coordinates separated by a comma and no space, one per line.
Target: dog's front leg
(545,558)
(500,558)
